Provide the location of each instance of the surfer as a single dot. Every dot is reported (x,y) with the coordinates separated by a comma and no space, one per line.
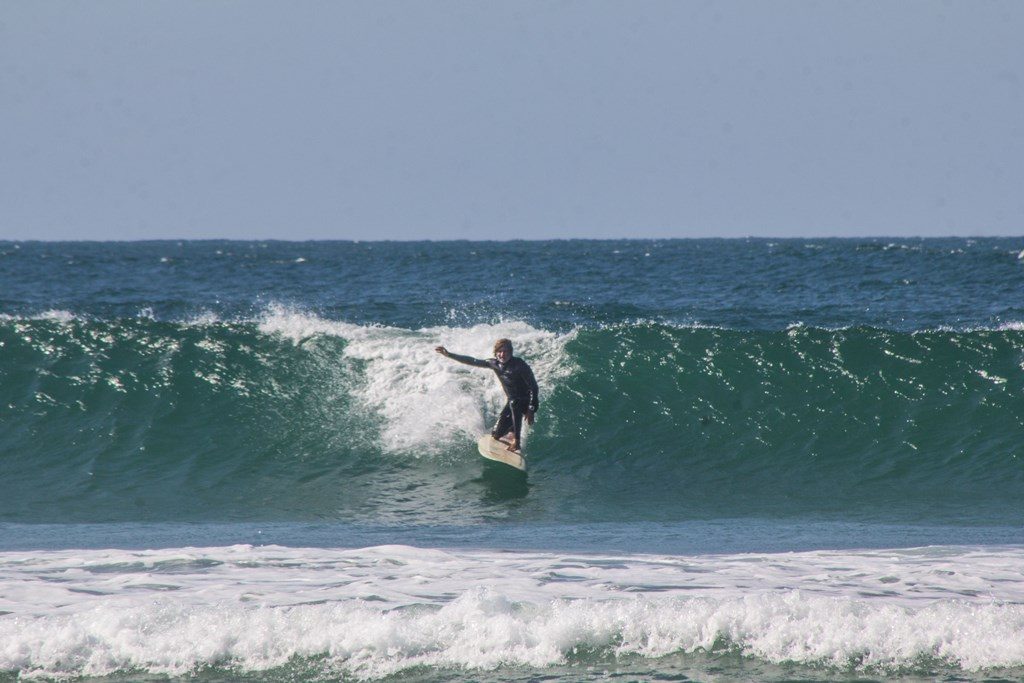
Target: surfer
(519,384)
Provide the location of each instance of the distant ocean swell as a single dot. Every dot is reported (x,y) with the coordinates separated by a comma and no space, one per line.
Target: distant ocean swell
(132,417)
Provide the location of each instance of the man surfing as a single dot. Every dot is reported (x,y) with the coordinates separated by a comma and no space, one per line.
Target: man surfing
(521,390)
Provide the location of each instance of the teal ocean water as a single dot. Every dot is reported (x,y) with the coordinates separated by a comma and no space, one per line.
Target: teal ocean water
(754,459)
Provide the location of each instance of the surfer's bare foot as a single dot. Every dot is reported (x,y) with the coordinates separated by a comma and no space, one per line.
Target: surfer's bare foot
(514,445)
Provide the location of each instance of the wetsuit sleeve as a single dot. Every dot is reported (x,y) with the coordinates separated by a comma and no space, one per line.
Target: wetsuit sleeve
(531,381)
(469,360)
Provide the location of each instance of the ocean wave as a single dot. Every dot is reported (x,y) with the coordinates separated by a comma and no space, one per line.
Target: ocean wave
(298,323)
(426,401)
(158,411)
(375,612)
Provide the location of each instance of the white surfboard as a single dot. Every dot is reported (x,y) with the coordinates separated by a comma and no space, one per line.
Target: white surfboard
(492,449)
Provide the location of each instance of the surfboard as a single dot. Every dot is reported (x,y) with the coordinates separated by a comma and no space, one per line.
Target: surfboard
(492,449)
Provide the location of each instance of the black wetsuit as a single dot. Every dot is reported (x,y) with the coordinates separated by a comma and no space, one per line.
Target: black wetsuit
(520,387)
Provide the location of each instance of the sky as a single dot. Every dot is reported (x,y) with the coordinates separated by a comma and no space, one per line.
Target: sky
(510,120)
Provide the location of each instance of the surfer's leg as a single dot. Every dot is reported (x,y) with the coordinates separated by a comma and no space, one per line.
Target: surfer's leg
(517,423)
(504,423)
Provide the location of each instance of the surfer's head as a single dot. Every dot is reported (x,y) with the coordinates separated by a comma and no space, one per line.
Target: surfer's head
(503,346)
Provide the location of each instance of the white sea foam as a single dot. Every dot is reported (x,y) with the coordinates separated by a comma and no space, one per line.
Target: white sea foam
(203,319)
(56,315)
(995,379)
(424,399)
(375,611)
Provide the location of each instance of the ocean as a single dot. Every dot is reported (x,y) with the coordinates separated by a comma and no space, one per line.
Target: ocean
(754,459)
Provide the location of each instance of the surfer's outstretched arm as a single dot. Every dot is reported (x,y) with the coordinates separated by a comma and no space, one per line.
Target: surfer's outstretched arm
(465,360)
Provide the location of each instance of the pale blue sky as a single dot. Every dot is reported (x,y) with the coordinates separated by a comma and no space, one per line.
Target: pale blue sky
(484,120)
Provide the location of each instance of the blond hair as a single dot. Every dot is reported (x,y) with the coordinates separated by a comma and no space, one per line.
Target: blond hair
(503,342)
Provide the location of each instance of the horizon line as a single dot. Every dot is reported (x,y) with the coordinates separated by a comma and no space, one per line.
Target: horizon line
(880,236)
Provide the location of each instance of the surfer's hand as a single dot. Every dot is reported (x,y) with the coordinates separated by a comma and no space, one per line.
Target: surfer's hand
(529,417)
(441,350)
